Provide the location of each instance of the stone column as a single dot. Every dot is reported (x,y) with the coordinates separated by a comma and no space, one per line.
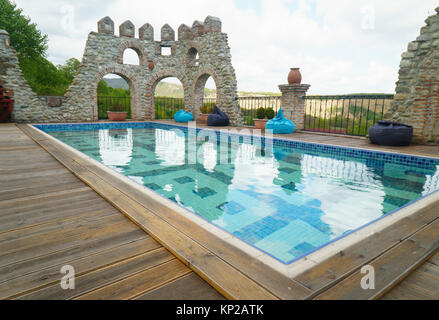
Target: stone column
(293,103)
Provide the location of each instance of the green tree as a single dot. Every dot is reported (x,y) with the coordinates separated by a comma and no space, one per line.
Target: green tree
(25,37)
(70,69)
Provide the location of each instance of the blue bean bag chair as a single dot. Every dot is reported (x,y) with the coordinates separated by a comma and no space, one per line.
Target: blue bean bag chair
(280,125)
(182,116)
(218,118)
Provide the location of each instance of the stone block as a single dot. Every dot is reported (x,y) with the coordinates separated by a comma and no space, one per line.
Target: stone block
(127,29)
(197,28)
(212,24)
(146,32)
(413,46)
(54,102)
(184,32)
(106,25)
(167,33)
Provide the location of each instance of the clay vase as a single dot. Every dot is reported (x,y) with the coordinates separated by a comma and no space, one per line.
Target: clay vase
(294,77)
(151,65)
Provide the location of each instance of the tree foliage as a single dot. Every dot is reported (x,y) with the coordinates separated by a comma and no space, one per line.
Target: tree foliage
(31,46)
(25,37)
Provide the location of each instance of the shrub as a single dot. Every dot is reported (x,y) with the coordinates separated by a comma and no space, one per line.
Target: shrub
(269,113)
(207,108)
(260,113)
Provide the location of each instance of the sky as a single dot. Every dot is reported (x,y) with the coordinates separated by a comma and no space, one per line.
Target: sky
(340,46)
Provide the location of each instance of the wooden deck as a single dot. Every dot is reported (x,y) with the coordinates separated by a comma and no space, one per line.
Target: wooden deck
(49,218)
(40,231)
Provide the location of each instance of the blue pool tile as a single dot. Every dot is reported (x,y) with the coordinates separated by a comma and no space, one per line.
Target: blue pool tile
(290,186)
(287,170)
(204,192)
(184,180)
(153,186)
(231,208)
(300,249)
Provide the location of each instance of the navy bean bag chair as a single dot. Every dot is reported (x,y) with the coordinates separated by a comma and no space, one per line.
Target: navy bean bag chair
(280,125)
(218,118)
(184,117)
(387,133)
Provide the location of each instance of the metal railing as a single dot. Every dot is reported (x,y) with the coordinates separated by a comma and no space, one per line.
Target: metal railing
(249,105)
(345,114)
(105,103)
(166,107)
(340,114)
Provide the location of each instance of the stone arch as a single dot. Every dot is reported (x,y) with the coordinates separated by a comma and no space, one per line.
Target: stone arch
(152,84)
(192,45)
(198,89)
(128,76)
(134,45)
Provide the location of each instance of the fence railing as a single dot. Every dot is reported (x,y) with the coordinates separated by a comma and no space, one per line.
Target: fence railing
(166,107)
(105,103)
(341,114)
(348,114)
(249,105)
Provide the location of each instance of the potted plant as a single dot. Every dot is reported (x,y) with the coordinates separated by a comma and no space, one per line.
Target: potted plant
(206,110)
(260,120)
(117,112)
(269,113)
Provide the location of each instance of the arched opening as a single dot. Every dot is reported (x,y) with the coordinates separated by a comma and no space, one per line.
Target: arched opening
(206,95)
(114,94)
(168,97)
(193,58)
(131,57)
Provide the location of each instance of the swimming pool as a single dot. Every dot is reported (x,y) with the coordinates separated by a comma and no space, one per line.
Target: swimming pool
(287,201)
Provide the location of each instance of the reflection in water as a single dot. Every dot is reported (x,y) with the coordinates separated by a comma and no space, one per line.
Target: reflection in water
(207,154)
(116,146)
(170,147)
(348,192)
(431,183)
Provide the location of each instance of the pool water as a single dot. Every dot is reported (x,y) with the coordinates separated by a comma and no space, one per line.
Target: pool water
(287,202)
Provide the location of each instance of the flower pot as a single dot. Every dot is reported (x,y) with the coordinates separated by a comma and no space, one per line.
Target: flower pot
(117,116)
(260,123)
(203,117)
(294,77)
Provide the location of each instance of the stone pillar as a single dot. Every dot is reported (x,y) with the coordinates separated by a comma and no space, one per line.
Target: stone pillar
(293,103)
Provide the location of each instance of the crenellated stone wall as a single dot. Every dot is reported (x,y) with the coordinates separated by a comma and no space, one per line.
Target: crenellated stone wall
(417,91)
(104,54)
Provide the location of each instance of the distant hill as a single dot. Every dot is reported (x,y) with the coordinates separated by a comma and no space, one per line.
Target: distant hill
(166,89)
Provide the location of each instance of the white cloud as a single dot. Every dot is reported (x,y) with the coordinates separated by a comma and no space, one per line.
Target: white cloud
(326,39)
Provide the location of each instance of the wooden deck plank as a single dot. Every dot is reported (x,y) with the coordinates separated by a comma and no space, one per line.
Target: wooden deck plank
(189,287)
(82,264)
(29,202)
(144,281)
(351,259)
(49,218)
(94,280)
(24,267)
(389,267)
(48,244)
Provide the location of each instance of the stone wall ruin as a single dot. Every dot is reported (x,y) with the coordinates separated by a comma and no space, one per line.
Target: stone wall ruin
(417,91)
(104,55)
